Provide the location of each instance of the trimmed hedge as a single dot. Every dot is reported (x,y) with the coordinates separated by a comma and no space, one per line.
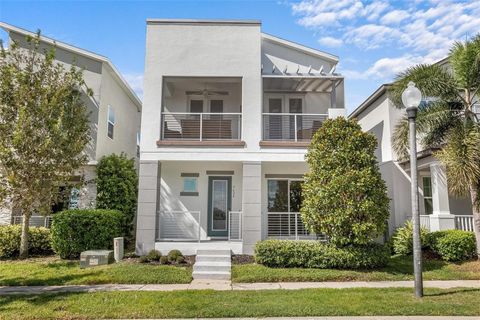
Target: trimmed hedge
(453,245)
(315,254)
(74,231)
(39,241)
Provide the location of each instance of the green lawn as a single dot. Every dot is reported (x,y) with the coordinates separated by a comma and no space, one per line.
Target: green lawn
(288,303)
(399,268)
(53,271)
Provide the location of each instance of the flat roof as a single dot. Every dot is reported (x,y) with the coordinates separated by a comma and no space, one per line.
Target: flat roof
(204,21)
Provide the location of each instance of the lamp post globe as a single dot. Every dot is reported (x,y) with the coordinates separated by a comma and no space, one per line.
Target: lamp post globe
(411,99)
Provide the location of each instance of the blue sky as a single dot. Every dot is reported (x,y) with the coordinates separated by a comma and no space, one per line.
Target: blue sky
(374,39)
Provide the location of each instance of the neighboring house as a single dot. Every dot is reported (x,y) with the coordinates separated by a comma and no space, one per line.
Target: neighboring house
(439,209)
(228,114)
(115,111)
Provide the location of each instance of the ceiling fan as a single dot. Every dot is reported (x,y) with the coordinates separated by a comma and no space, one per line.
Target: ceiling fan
(205,92)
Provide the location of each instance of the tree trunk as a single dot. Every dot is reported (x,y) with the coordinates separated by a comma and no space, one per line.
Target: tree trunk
(476,217)
(24,237)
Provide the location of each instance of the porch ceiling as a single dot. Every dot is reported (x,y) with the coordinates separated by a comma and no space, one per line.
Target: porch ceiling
(300,83)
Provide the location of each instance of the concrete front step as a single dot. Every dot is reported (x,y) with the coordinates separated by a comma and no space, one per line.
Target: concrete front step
(211,275)
(212,258)
(212,265)
(214,252)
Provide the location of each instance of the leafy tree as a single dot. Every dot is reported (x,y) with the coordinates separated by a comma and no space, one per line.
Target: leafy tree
(117,187)
(448,120)
(344,194)
(43,128)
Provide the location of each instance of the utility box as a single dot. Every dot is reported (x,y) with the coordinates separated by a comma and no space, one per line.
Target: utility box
(118,249)
(92,258)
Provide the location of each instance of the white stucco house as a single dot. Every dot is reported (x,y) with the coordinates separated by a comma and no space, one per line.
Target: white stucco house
(114,113)
(228,113)
(439,209)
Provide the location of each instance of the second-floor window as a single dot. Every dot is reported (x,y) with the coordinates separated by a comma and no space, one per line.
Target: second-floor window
(110,122)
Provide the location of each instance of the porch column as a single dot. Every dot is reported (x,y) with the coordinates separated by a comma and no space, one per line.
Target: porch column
(441,219)
(251,205)
(148,197)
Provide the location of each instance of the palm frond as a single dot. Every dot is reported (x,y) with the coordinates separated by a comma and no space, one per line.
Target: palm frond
(433,80)
(465,63)
(400,139)
(461,156)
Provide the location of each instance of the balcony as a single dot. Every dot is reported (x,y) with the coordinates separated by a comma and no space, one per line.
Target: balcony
(295,129)
(207,128)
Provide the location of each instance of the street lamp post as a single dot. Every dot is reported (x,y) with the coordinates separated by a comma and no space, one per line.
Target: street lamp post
(411,98)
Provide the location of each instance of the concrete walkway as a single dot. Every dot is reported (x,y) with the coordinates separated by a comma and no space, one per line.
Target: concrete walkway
(227,286)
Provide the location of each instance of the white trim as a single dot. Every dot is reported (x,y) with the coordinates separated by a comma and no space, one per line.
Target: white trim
(299,47)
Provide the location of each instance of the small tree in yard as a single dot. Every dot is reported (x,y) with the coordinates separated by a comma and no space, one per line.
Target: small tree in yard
(117,187)
(344,195)
(43,129)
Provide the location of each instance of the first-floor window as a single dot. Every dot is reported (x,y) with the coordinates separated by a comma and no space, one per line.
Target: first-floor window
(110,122)
(284,195)
(427,195)
(189,184)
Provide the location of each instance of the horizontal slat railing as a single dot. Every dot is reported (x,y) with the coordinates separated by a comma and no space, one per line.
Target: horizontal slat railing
(235,225)
(35,221)
(287,225)
(291,126)
(425,221)
(201,126)
(464,222)
(179,226)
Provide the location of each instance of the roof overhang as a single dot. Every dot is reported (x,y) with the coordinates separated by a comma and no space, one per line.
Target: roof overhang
(82,52)
(371,99)
(298,47)
(204,22)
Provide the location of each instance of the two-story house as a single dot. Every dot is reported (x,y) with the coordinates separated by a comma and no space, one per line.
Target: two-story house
(114,115)
(227,117)
(439,208)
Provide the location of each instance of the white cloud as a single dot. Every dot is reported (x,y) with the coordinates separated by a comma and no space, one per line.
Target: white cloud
(394,17)
(371,36)
(330,42)
(135,80)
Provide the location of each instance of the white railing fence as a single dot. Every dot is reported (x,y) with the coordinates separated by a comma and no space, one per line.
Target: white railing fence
(464,222)
(179,226)
(291,126)
(201,126)
(35,221)
(235,225)
(425,221)
(287,225)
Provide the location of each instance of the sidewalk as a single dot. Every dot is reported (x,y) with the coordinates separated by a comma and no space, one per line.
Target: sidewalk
(227,285)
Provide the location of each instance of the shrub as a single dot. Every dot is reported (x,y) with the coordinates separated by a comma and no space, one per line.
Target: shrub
(180,260)
(154,255)
(144,259)
(453,245)
(117,188)
(164,260)
(74,231)
(39,241)
(402,239)
(173,255)
(345,197)
(315,254)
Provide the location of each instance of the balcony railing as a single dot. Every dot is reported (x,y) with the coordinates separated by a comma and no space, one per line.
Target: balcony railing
(291,126)
(35,221)
(201,126)
(464,222)
(235,225)
(288,225)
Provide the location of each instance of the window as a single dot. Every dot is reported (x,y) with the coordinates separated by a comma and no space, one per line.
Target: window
(138,143)
(284,195)
(216,106)
(110,122)
(196,106)
(427,195)
(189,184)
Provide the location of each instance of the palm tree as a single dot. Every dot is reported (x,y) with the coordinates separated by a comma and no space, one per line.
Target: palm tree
(447,120)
